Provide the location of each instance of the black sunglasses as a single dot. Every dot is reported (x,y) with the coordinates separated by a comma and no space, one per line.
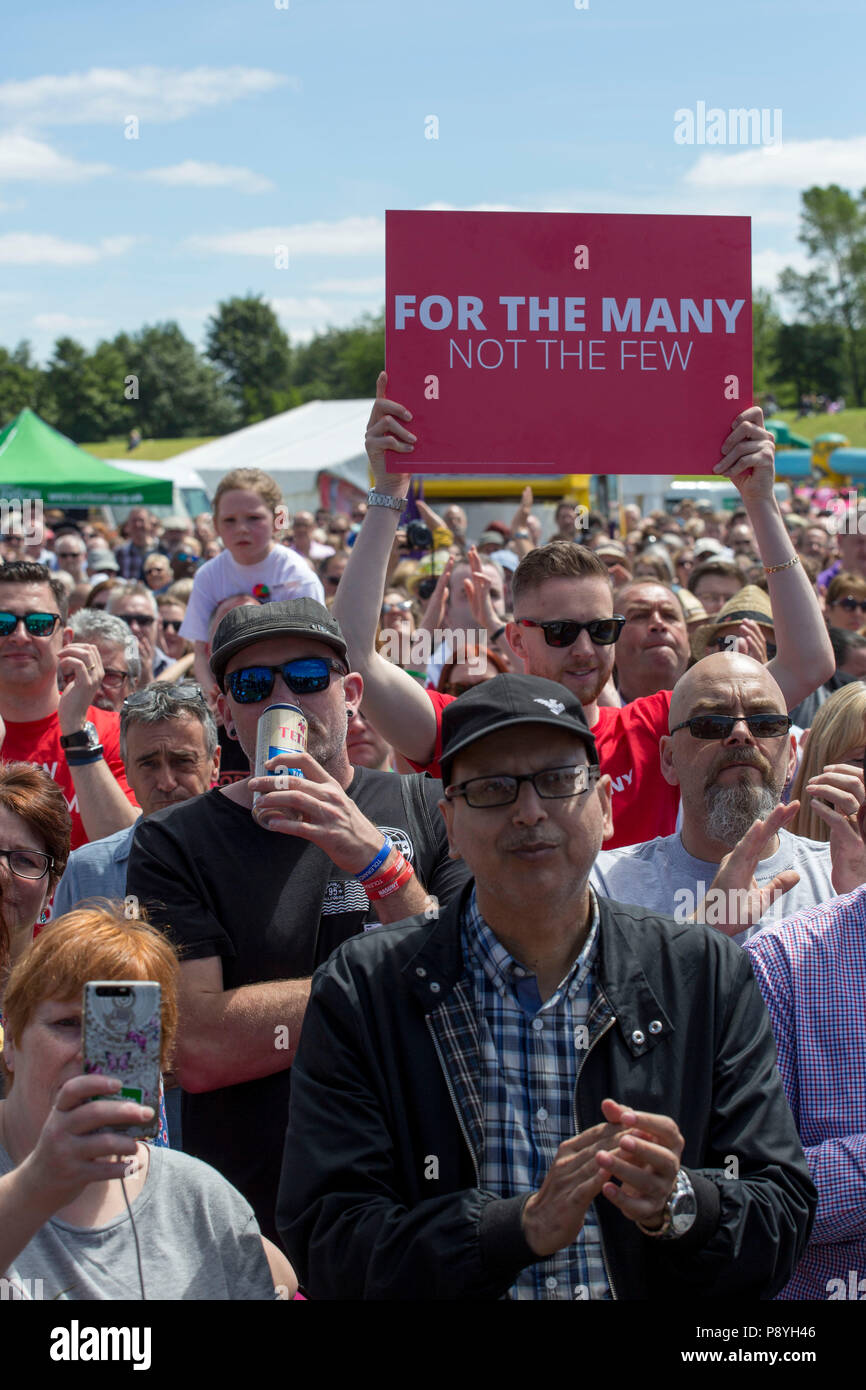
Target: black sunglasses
(172,624)
(306,676)
(136,620)
(37,624)
(602,631)
(850,604)
(719,726)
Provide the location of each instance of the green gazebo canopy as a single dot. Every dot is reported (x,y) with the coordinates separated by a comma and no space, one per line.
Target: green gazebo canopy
(37,461)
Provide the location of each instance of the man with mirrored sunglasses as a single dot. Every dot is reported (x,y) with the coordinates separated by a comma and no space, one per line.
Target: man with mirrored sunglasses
(50,682)
(556,1080)
(730,753)
(258,896)
(567,585)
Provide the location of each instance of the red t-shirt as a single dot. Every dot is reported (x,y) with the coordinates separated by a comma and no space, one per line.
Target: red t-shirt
(38,741)
(644,804)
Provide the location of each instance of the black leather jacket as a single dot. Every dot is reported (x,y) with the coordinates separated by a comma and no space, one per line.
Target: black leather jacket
(380,1198)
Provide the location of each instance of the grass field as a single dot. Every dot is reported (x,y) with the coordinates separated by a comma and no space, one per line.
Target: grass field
(848,422)
(149,451)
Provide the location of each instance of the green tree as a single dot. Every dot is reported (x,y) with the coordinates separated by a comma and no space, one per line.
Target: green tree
(341,363)
(245,339)
(810,358)
(833,230)
(81,398)
(169,389)
(21,382)
(765,328)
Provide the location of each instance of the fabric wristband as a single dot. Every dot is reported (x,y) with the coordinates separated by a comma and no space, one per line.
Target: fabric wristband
(374,864)
(87,755)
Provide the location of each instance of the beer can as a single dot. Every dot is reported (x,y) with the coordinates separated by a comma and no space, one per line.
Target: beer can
(281,729)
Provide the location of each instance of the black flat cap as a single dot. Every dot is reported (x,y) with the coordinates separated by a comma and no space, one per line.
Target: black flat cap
(294,617)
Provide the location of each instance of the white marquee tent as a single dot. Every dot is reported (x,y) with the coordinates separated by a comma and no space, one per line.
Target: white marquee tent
(320,442)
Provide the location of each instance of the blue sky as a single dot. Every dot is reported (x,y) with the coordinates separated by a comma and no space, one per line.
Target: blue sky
(260,126)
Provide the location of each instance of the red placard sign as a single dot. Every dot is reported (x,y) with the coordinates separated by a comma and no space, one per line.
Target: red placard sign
(567,343)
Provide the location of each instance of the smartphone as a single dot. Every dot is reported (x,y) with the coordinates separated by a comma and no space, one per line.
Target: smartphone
(121,1032)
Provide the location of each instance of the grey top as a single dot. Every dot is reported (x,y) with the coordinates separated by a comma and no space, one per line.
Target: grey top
(198,1236)
(659,875)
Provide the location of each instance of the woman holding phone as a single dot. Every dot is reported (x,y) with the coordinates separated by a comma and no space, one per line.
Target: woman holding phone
(90,1215)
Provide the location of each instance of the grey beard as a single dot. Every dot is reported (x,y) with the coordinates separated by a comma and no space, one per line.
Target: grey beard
(732,810)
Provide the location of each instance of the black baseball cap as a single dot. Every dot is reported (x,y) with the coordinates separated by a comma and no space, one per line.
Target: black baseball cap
(295,617)
(508,700)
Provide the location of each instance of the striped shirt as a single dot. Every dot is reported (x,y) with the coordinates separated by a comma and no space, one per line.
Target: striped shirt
(812,973)
(530,1056)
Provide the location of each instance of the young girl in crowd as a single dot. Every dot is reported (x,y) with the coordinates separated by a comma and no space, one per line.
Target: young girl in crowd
(245,516)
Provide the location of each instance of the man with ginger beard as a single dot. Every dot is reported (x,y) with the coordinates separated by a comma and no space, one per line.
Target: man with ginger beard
(730,773)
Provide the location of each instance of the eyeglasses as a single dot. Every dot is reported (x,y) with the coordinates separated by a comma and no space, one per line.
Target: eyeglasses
(37,624)
(850,604)
(553,784)
(307,676)
(405,606)
(172,624)
(27,863)
(114,679)
(720,726)
(184,559)
(190,691)
(602,631)
(136,619)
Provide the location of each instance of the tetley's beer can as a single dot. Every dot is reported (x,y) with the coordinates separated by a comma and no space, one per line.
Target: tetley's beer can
(281,729)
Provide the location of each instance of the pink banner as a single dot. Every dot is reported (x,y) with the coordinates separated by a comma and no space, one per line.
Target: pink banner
(567,343)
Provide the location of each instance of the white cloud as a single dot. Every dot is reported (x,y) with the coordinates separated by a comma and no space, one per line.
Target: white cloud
(768,265)
(57,324)
(794,164)
(22,157)
(352,236)
(107,96)
(304,318)
(36,248)
(372,284)
(193,174)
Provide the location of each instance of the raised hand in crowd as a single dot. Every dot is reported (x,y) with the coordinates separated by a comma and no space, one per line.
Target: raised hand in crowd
(734,902)
(837,797)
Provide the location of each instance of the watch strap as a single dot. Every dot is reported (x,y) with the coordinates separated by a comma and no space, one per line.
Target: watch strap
(385,499)
(79,757)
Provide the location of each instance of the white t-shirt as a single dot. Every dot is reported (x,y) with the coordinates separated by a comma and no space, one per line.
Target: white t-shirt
(284,573)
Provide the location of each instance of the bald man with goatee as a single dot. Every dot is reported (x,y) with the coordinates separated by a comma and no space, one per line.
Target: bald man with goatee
(730,751)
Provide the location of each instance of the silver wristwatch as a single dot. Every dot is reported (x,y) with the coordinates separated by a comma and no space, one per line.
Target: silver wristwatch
(680,1210)
(384,499)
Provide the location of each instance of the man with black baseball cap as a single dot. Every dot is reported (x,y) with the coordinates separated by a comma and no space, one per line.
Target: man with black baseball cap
(258,897)
(557,1082)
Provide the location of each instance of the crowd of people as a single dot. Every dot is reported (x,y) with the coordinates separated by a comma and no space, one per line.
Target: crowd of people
(538,973)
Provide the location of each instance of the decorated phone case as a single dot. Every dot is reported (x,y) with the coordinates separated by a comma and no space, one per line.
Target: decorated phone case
(121,1038)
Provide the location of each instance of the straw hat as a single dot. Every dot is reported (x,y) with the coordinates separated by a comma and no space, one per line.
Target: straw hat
(694,610)
(749,602)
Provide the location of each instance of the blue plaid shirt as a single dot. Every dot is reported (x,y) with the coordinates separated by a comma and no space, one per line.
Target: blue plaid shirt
(812,973)
(530,1056)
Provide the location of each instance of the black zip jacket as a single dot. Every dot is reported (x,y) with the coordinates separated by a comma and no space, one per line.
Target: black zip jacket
(380,1198)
